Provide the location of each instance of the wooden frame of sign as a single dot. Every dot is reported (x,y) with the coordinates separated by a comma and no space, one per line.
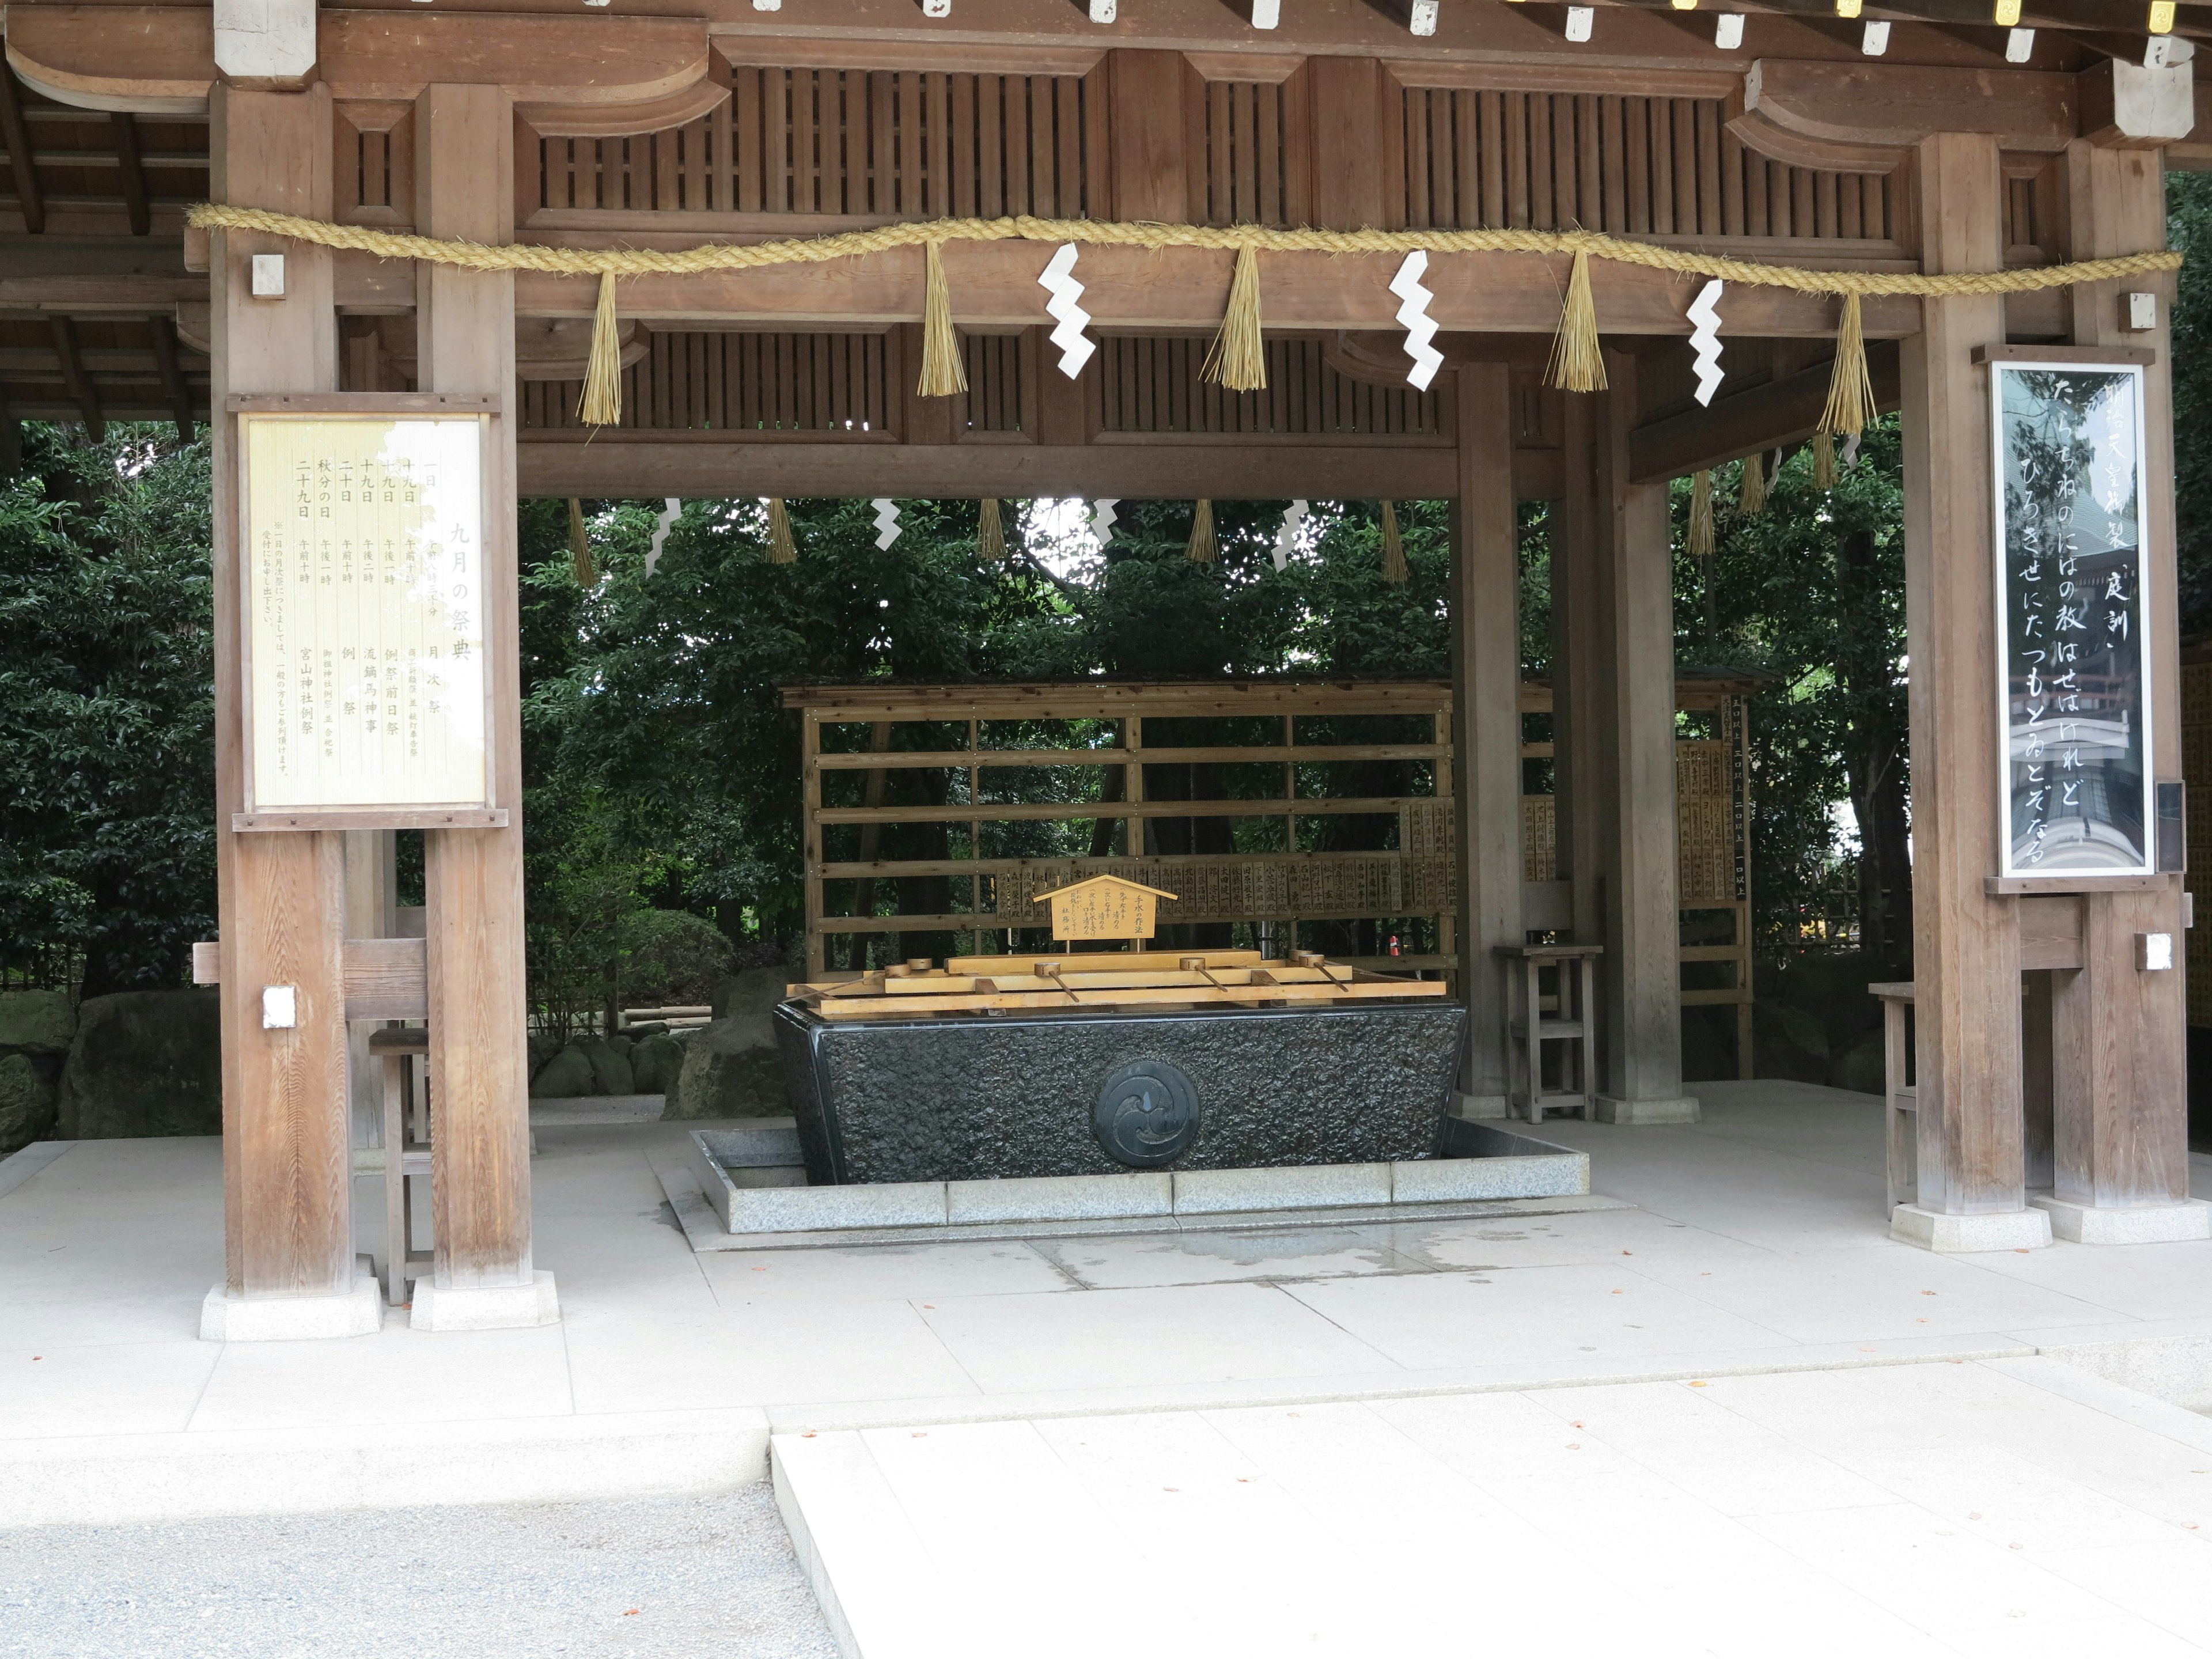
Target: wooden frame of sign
(2075,699)
(368,656)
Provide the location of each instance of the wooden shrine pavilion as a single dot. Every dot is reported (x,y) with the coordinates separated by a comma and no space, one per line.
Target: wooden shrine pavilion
(1848,204)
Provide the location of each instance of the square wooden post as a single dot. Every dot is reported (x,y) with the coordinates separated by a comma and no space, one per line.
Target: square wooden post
(1486,643)
(483,1275)
(2118,1033)
(287,1211)
(1630,608)
(1966,942)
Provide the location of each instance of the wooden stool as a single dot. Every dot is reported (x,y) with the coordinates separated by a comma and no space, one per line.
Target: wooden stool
(406,1151)
(1900,1103)
(1573,1021)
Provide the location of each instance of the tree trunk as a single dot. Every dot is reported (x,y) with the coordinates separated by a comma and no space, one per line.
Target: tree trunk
(1875,762)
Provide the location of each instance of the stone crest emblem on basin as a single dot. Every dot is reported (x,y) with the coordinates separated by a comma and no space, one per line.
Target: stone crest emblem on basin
(1147,1114)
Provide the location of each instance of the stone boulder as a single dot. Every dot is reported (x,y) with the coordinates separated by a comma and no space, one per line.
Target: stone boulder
(610,1073)
(656,1063)
(36,1022)
(144,1063)
(564,1077)
(731,1066)
(26,1103)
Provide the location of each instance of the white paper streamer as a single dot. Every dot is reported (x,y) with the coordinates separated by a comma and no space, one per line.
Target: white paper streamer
(1707,339)
(1286,538)
(1850,453)
(1059,280)
(670,507)
(887,524)
(1102,517)
(1414,317)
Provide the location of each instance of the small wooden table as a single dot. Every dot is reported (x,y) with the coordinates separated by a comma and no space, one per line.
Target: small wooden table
(1573,1021)
(1900,1103)
(406,1151)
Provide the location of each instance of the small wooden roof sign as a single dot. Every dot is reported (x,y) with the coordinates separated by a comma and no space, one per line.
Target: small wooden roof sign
(1104,907)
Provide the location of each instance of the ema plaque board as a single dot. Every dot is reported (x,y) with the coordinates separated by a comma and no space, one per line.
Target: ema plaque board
(2074,692)
(365,674)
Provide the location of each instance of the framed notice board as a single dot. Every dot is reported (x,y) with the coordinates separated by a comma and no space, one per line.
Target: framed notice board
(2073,689)
(367,682)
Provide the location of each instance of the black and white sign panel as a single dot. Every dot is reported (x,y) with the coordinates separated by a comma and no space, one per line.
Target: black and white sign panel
(2075,701)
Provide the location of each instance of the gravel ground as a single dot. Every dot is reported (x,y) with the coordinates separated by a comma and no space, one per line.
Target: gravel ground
(662,1579)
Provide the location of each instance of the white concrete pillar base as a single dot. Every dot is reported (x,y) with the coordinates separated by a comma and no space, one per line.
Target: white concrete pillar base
(1475,1107)
(1680,1109)
(485,1308)
(2146,1224)
(227,1318)
(2006,1230)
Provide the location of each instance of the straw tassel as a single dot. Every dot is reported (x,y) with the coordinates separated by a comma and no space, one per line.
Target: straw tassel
(1578,364)
(601,404)
(943,374)
(782,547)
(1238,361)
(1394,546)
(1851,387)
(1824,461)
(1701,515)
(580,546)
(990,530)
(1751,495)
(1203,549)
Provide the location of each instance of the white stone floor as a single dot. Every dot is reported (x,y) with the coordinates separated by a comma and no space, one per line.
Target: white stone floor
(1759,1245)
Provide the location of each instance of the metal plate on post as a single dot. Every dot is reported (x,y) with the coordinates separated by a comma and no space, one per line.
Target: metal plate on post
(1147,1114)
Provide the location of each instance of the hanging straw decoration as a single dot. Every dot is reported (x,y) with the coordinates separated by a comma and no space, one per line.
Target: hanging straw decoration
(1824,461)
(1578,364)
(1238,360)
(580,546)
(1851,387)
(1394,546)
(782,548)
(943,374)
(1750,494)
(1701,515)
(601,404)
(990,530)
(1203,549)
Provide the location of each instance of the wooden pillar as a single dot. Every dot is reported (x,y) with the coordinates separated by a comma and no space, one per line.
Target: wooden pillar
(1621,664)
(287,1215)
(2117,1038)
(473,878)
(1966,943)
(1485,645)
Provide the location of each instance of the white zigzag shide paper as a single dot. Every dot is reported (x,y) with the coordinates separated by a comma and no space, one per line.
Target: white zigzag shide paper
(1414,317)
(1071,318)
(670,507)
(1705,338)
(1286,538)
(887,524)
(1102,517)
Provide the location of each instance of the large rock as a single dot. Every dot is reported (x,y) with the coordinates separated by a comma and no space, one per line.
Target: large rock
(611,1073)
(730,1065)
(144,1063)
(564,1077)
(656,1063)
(27,1103)
(38,1022)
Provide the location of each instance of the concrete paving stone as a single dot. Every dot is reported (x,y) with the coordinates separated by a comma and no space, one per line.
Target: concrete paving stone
(2167,1584)
(1201,1258)
(1598,1235)
(139,1388)
(2141,1281)
(397,1376)
(797,1280)
(1110,1338)
(1571,1312)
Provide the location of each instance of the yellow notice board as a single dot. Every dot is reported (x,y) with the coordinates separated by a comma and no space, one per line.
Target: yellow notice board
(365,592)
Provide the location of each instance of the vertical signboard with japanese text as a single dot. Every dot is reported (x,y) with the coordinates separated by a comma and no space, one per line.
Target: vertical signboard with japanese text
(2073,694)
(366,636)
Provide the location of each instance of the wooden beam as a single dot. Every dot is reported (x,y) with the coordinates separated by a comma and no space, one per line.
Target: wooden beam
(1783,412)
(22,155)
(84,295)
(157,60)
(131,170)
(74,377)
(1878,103)
(572,462)
(164,331)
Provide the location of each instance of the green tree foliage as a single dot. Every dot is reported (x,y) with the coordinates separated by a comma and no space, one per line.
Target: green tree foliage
(107,769)
(2189,228)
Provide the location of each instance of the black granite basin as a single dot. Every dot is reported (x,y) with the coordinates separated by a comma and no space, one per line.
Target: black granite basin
(982,1097)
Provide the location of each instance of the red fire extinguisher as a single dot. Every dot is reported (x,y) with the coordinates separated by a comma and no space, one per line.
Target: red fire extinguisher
(1394,944)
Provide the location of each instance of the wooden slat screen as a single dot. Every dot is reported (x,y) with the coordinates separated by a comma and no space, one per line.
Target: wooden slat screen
(1153,385)
(995,381)
(739,383)
(1633,167)
(1247,179)
(881,143)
